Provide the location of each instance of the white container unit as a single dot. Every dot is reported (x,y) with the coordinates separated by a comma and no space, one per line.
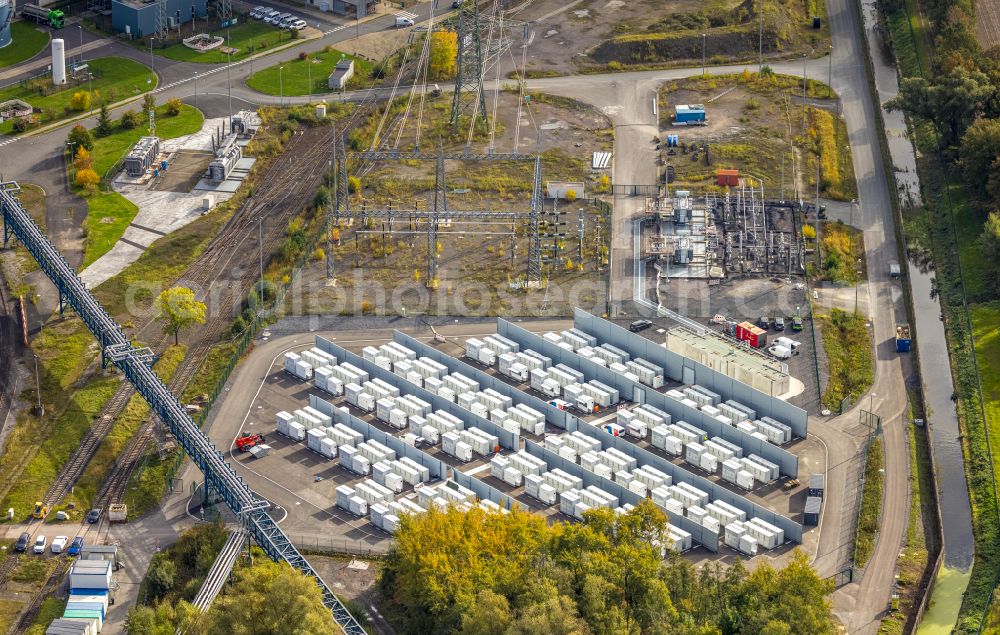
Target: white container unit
(748,545)
(283,420)
(346,436)
(651,415)
(678,539)
(735,531)
(730,468)
(697,514)
(596,497)
(383,474)
(646,372)
(354,461)
(771,470)
(709,463)
(685,435)
(452,444)
(664,439)
(719,452)
(500,344)
(291,359)
(314,439)
(732,447)
(575,341)
(729,510)
(568,500)
(535,487)
(481,442)
(528,464)
(701,434)
(714,398)
(768,535)
(561,480)
(652,477)
(693,452)
(296,431)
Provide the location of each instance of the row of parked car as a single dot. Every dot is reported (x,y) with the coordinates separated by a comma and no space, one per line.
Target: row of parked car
(278,19)
(58,544)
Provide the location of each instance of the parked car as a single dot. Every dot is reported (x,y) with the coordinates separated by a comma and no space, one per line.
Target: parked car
(76,546)
(258,13)
(59,543)
(796,323)
(297,25)
(22,542)
(639,325)
(403,22)
(94,515)
(287,22)
(40,542)
(268,13)
(779,323)
(764,322)
(277,18)
(457,4)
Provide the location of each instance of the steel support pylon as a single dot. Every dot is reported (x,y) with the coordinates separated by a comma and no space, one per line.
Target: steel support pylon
(469,66)
(534,275)
(224,9)
(160,24)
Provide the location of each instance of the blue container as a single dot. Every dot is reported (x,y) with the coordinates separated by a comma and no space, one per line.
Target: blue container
(163,165)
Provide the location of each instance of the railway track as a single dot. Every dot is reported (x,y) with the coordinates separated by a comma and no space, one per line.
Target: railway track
(31,613)
(284,190)
(8,352)
(7,567)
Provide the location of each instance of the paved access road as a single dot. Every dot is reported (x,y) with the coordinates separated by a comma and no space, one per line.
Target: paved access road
(627,98)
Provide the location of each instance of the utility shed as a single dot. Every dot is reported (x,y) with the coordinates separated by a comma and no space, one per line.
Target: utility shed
(689,113)
(813,506)
(817,483)
(342,74)
(142,156)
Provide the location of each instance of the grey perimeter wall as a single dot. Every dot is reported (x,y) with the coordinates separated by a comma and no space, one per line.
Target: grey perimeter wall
(559,418)
(786,461)
(672,363)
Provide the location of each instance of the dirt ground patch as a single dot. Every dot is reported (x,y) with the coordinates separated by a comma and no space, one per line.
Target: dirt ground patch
(354,582)
(988,23)
(755,126)
(375,46)
(607,34)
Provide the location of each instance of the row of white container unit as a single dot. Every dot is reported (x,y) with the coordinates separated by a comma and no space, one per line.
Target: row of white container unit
(296,424)
(748,536)
(488,349)
(301,365)
(699,488)
(638,421)
(677,407)
(733,413)
(463,444)
(570,445)
(388,354)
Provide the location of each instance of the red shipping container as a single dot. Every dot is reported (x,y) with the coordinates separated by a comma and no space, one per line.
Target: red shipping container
(727,178)
(751,334)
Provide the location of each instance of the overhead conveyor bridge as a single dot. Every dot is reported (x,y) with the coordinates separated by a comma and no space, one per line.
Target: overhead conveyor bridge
(135,366)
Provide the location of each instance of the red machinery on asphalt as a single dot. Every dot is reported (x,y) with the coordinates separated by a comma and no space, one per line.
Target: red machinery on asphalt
(247,441)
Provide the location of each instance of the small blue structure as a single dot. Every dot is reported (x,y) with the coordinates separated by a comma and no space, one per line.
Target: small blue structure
(692,114)
(137,18)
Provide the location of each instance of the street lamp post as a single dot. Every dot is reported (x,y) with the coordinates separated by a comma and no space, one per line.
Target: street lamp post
(310,71)
(38,389)
(857,286)
(79,61)
(703,38)
(760,37)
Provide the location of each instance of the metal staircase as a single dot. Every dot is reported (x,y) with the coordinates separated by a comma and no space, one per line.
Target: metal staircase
(134,364)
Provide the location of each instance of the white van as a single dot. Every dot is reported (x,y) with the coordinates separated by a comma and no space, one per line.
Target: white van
(779,351)
(403,22)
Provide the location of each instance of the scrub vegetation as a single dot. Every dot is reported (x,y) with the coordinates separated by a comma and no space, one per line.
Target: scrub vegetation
(848,347)
(476,572)
(947,92)
(871,505)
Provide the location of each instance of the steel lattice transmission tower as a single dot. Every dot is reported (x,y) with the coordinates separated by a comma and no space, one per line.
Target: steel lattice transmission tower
(160,25)
(224,8)
(534,273)
(469,65)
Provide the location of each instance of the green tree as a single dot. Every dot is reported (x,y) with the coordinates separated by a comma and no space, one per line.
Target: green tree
(490,615)
(952,100)
(989,242)
(130,119)
(161,577)
(177,309)
(104,127)
(270,598)
(555,616)
(980,151)
(80,137)
(174,106)
(148,104)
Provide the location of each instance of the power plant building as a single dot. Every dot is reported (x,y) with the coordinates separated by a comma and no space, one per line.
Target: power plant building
(137,18)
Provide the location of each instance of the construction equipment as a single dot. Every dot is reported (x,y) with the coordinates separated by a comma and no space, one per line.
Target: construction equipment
(41,510)
(247,441)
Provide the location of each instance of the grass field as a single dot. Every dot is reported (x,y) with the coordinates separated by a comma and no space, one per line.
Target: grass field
(108,217)
(119,79)
(249,38)
(848,347)
(294,79)
(27,42)
(110,149)
(985,322)
(871,505)
(52,607)
(9,610)
(109,213)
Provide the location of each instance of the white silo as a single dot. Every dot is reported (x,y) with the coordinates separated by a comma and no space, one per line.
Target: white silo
(58,62)
(6,15)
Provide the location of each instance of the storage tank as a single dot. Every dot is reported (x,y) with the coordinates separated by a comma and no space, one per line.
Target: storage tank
(6,15)
(58,62)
